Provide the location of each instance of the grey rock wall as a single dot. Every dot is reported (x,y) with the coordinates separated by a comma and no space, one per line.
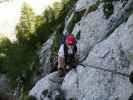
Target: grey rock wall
(108,44)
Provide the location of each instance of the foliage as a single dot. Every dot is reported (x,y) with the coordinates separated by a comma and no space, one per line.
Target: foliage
(131,97)
(4,45)
(26,97)
(19,60)
(71,99)
(108,8)
(26,27)
(45,92)
(92,8)
(66,5)
(75,17)
(59,97)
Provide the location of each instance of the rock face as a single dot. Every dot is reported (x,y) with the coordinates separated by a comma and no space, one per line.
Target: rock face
(3,83)
(44,56)
(48,87)
(108,44)
(83,4)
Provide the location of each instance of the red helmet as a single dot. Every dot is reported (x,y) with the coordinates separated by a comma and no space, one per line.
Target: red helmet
(70,40)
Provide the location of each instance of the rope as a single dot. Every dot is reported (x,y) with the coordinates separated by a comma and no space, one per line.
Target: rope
(104,69)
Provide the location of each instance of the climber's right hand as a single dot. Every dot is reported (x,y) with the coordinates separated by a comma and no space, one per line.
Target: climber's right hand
(61,71)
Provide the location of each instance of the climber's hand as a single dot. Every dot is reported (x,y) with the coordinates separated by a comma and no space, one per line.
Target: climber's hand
(61,72)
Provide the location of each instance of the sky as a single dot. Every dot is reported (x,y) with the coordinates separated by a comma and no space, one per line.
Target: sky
(10,13)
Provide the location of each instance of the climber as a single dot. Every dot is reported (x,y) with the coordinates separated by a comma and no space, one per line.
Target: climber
(67,55)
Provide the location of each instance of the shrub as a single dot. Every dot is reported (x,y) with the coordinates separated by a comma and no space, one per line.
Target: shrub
(108,8)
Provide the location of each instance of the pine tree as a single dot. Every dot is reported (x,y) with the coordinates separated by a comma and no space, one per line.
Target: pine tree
(26,27)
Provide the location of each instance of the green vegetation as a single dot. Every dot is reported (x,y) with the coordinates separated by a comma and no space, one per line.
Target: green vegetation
(131,97)
(25,97)
(108,8)
(67,4)
(59,97)
(131,77)
(26,27)
(31,98)
(71,99)
(92,8)
(19,60)
(74,18)
(45,92)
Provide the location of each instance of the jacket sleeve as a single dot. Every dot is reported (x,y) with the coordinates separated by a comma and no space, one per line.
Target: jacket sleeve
(61,62)
(61,51)
(77,56)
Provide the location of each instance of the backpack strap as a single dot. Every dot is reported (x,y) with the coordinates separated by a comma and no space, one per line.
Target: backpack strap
(67,56)
(65,50)
(75,50)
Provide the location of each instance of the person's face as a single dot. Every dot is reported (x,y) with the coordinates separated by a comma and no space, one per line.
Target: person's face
(69,46)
